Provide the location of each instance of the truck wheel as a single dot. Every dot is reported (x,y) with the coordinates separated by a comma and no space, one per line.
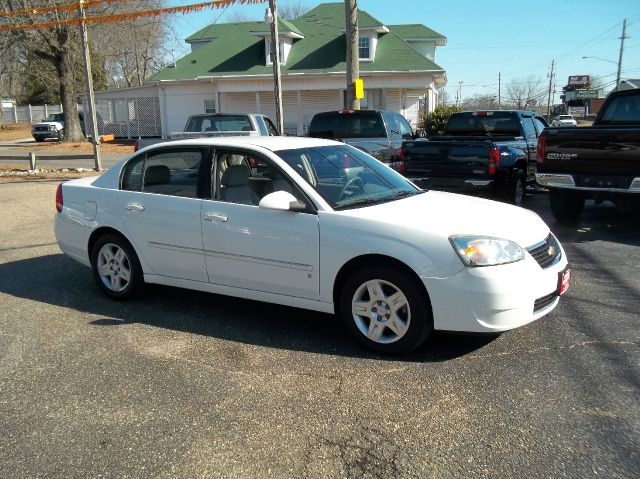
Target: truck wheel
(517,188)
(61,135)
(39,138)
(566,206)
(385,310)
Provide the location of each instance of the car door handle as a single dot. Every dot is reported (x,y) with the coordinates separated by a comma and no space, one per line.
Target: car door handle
(215,217)
(135,207)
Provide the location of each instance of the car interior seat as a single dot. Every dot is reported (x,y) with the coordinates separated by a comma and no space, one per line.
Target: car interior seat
(278,182)
(157,175)
(235,186)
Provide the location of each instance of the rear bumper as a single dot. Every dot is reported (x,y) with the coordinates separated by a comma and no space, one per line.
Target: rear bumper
(566,181)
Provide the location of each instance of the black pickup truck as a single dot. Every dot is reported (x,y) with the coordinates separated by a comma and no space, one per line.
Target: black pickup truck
(491,153)
(601,162)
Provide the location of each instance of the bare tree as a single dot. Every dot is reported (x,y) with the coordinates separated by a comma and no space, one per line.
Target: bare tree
(237,16)
(526,92)
(291,11)
(58,45)
(480,102)
(133,50)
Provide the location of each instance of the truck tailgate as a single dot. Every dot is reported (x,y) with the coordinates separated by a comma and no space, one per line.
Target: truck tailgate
(446,163)
(581,151)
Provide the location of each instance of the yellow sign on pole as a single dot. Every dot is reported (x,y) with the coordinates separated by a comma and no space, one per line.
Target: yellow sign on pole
(359,85)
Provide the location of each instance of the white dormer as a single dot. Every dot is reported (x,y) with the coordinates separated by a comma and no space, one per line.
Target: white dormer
(368,41)
(287,34)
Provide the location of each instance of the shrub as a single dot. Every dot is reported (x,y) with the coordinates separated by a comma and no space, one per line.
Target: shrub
(435,121)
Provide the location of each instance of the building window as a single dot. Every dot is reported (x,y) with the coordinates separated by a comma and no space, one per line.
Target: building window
(269,62)
(364,48)
(209,106)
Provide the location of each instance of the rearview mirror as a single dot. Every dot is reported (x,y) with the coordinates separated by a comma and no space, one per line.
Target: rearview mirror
(281,201)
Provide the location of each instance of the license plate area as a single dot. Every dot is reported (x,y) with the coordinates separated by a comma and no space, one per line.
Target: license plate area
(564,280)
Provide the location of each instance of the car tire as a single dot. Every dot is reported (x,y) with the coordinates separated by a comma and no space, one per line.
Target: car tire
(385,310)
(39,139)
(566,206)
(61,135)
(517,188)
(116,268)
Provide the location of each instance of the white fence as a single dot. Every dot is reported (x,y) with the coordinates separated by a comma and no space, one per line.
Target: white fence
(28,113)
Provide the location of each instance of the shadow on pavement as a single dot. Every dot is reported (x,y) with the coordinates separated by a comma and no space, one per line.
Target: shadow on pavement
(598,222)
(60,281)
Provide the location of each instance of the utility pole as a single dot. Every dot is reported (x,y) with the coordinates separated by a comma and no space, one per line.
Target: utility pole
(90,99)
(353,57)
(275,61)
(550,89)
(499,97)
(624,31)
(460,92)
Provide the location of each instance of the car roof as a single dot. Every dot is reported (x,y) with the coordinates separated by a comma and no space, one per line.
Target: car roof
(273,143)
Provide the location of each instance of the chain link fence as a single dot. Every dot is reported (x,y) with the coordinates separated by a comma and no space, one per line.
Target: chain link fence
(129,117)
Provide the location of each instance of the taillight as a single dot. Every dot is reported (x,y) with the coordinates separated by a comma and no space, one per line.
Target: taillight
(401,166)
(136,146)
(494,160)
(59,201)
(542,145)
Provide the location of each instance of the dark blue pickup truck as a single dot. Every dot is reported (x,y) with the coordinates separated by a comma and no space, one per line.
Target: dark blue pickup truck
(492,153)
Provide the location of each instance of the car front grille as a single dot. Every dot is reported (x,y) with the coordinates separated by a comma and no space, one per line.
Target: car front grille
(40,128)
(544,301)
(546,253)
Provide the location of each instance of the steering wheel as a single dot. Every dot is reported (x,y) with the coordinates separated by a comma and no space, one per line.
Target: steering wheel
(355,182)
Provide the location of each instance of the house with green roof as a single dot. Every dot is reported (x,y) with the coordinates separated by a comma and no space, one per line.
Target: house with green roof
(229,70)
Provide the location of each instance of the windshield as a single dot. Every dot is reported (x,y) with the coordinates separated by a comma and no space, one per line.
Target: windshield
(482,123)
(55,117)
(346,177)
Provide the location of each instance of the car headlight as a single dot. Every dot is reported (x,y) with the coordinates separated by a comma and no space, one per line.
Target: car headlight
(52,127)
(485,250)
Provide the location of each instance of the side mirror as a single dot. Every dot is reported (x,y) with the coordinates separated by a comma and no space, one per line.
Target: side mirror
(281,201)
(408,136)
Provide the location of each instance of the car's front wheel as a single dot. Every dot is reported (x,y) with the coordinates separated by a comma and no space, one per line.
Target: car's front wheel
(116,267)
(385,310)
(61,135)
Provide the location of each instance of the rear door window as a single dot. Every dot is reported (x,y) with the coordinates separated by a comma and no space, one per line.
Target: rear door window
(347,124)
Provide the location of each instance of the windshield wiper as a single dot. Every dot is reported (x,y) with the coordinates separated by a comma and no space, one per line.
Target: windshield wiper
(384,199)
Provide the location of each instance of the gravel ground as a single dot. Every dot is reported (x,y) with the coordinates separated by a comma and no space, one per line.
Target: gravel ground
(183,384)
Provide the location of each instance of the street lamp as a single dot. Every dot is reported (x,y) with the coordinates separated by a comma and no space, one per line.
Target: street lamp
(271,17)
(608,61)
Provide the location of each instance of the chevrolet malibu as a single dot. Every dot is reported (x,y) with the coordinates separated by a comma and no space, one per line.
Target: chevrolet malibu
(312,224)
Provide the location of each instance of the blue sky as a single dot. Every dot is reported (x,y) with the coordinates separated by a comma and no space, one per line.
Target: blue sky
(484,37)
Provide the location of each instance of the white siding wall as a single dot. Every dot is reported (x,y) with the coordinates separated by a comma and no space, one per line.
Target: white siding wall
(182,101)
(238,103)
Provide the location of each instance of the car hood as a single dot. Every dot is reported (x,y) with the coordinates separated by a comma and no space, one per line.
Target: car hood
(46,123)
(452,214)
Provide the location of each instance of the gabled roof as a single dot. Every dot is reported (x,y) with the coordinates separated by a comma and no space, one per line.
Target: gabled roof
(415,30)
(234,51)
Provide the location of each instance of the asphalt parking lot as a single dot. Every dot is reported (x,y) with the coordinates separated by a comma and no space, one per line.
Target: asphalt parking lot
(182,384)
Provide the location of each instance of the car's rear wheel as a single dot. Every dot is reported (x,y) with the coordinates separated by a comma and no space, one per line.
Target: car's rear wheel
(116,267)
(566,206)
(385,310)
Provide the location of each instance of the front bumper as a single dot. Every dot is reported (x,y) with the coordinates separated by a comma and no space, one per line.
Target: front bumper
(493,299)
(44,134)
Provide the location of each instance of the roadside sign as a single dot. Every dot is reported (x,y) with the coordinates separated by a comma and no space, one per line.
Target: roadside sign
(578,80)
(586,94)
(577,110)
(359,86)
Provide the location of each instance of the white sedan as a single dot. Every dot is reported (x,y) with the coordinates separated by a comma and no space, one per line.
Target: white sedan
(312,224)
(564,120)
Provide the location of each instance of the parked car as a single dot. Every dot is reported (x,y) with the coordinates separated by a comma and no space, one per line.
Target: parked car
(313,224)
(481,152)
(564,120)
(379,133)
(53,127)
(600,162)
(209,125)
